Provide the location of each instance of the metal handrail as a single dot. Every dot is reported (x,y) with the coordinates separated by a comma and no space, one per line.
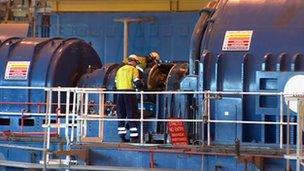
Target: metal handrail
(81,103)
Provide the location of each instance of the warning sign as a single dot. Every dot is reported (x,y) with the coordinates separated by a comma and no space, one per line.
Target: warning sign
(17,70)
(178,133)
(237,40)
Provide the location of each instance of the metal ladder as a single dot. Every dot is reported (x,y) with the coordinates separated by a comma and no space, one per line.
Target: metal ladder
(68,124)
(75,123)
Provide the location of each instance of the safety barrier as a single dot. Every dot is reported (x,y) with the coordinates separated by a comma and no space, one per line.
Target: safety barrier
(73,104)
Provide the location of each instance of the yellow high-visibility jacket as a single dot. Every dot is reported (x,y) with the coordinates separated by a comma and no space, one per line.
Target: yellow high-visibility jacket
(125,77)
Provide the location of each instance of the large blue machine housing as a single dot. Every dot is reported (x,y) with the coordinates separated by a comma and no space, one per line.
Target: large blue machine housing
(273,56)
(52,62)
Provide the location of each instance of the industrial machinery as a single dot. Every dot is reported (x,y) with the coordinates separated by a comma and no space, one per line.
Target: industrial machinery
(238,97)
(32,62)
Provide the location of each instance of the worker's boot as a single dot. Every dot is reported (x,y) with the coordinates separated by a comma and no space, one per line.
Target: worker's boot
(123,139)
(134,135)
(122,132)
(134,140)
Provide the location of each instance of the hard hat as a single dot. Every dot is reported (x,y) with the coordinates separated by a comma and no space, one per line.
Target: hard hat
(154,55)
(133,57)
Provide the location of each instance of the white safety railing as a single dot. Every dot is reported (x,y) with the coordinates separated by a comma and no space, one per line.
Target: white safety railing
(84,117)
(298,156)
(70,107)
(209,95)
(75,106)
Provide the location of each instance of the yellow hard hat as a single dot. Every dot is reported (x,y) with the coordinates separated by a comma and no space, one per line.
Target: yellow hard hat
(133,57)
(154,55)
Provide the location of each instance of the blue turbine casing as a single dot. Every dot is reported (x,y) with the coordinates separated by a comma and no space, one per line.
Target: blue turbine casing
(275,55)
(52,63)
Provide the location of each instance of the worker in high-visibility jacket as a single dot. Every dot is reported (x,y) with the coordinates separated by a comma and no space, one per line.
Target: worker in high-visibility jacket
(127,79)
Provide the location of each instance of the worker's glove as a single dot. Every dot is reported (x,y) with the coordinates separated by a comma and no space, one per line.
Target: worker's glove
(139,84)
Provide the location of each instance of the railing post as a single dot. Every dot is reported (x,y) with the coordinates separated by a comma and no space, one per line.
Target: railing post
(101,113)
(46,143)
(299,134)
(208,118)
(86,108)
(288,135)
(80,115)
(141,117)
(58,112)
(73,116)
(48,121)
(67,113)
(281,119)
(205,116)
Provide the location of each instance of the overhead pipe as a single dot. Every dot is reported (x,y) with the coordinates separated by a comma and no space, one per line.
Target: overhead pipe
(197,35)
(126,22)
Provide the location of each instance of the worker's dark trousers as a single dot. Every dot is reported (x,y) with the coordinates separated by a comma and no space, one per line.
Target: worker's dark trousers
(127,108)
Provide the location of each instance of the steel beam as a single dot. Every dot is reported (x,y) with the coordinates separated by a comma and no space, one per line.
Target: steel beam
(126,5)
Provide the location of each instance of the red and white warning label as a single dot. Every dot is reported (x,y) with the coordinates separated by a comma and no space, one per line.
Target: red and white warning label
(178,133)
(237,40)
(17,70)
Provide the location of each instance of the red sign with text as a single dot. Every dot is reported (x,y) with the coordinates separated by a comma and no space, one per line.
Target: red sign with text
(178,133)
